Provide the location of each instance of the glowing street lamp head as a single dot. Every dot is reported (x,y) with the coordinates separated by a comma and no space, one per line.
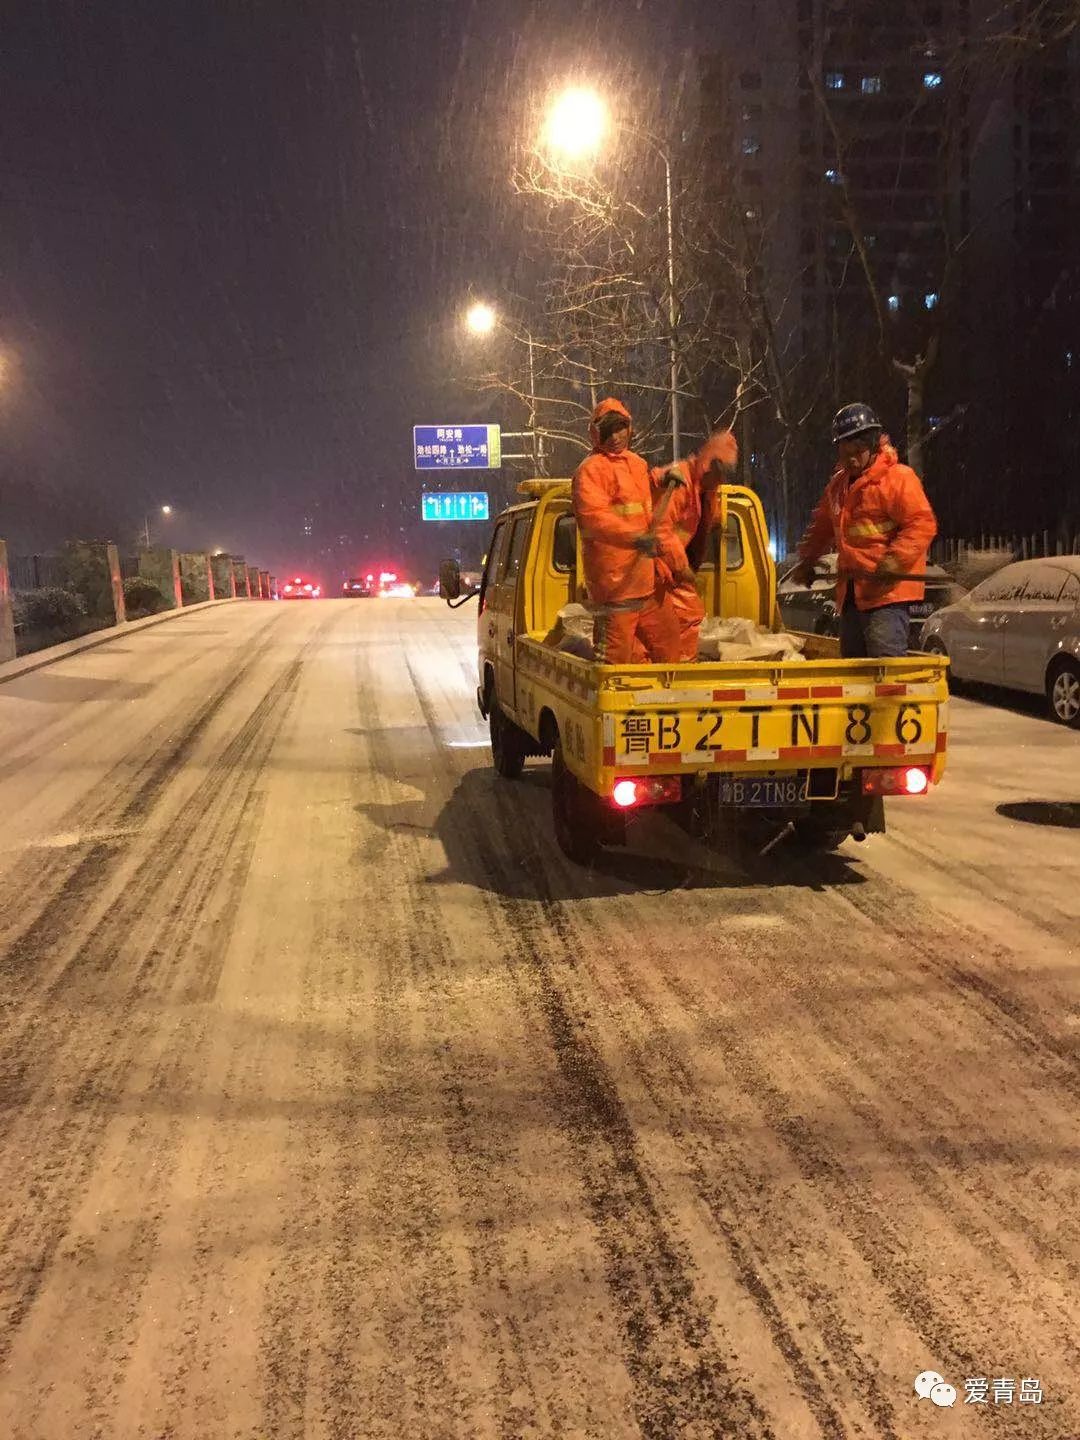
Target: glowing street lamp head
(576,123)
(481,319)
(166,509)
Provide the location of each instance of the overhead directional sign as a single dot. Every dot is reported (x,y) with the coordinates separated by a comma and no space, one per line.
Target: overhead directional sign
(454,505)
(457,447)
(471,504)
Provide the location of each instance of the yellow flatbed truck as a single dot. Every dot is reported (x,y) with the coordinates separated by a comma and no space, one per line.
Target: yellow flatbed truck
(810,745)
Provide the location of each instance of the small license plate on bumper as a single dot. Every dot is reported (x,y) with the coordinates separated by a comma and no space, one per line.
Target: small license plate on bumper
(766,792)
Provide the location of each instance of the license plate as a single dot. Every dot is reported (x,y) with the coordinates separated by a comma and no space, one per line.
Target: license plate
(921,610)
(825,730)
(767,792)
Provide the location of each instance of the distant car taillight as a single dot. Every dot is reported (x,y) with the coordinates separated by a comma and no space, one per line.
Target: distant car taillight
(648,790)
(307,587)
(910,780)
(288,589)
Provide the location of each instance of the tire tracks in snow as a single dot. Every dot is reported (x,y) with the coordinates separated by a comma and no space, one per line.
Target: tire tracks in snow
(161,943)
(681,1380)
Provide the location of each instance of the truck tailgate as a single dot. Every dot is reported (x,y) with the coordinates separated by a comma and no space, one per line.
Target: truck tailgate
(768,715)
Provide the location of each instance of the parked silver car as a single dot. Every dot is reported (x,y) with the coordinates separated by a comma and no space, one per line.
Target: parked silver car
(1020,630)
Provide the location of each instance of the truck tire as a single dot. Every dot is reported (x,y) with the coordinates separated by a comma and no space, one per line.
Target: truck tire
(509,743)
(1063,693)
(575,812)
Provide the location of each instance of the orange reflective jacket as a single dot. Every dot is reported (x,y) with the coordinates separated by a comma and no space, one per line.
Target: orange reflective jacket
(690,505)
(613,506)
(883,517)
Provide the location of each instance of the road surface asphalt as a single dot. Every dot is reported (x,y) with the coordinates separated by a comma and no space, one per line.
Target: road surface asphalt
(337,1103)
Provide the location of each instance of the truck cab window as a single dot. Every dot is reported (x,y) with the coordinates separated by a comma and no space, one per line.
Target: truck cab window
(494,558)
(564,547)
(734,547)
(517,546)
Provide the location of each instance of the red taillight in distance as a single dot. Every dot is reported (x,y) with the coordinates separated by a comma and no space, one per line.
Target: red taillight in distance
(288,589)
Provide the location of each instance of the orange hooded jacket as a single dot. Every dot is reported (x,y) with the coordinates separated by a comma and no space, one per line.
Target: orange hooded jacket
(883,516)
(613,505)
(688,504)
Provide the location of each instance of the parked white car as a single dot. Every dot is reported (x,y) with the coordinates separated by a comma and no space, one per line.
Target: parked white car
(1020,630)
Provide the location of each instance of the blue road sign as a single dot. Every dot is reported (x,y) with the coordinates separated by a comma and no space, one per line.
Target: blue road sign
(457,447)
(454,505)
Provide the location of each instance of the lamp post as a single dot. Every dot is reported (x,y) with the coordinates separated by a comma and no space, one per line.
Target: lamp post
(165,510)
(576,125)
(482,319)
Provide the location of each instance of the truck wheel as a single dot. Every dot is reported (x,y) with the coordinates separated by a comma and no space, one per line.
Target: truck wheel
(1063,693)
(575,812)
(509,743)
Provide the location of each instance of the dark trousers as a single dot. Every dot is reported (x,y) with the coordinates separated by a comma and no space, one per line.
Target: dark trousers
(875,634)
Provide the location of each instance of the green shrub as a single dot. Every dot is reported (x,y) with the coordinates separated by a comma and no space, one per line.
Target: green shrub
(51,608)
(142,597)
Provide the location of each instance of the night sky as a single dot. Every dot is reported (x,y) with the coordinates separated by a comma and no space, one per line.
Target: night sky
(235,241)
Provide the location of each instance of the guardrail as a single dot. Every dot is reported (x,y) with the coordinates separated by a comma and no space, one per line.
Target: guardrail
(49,599)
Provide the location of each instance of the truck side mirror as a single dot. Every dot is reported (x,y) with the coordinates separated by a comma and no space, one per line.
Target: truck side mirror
(449,580)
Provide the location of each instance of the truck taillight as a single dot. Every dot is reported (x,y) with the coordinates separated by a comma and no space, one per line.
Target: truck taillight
(908,780)
(646,790)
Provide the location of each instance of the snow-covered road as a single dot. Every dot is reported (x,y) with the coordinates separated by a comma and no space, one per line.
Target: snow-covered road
(337,1103)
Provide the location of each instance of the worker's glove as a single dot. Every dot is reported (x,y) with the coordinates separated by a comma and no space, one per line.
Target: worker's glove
(686,577)
(888,567)
(803,574)
(647,545)
(674,479)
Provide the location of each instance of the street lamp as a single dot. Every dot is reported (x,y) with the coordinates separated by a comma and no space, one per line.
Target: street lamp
(482,319)
(165,510)
(576,125)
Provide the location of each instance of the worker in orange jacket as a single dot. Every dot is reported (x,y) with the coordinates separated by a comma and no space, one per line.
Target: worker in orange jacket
(876,515)
(692,512)
(613,506)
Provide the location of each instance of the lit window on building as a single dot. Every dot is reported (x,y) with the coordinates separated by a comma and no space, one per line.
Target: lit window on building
(834,80)
(933,80)
(894,303)
(871,85)
(930,300)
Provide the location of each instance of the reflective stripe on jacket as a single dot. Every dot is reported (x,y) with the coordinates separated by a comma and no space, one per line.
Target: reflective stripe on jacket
(613,507)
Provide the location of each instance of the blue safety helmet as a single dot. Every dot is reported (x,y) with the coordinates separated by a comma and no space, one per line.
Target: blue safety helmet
(855,420)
